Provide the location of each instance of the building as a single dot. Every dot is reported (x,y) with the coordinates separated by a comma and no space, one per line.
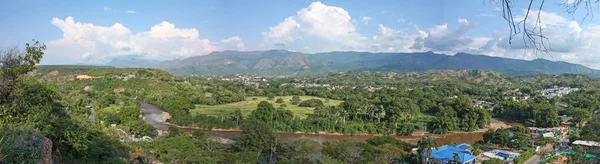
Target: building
(591,146)
(446,154)
(558,132)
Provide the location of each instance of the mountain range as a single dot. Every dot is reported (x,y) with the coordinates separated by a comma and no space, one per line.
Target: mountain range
(132,62)
(289,63)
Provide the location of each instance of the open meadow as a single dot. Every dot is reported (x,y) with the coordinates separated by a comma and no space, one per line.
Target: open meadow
(248,105)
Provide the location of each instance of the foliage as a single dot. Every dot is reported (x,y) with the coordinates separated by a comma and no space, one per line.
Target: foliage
(257,137)
(311,103)
(492,161)
(279,101)
(503,137)
(524,156)
(21,145)
(580,116)
(544,141)
(590,131)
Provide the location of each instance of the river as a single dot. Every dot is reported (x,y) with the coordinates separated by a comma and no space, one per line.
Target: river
(153,116)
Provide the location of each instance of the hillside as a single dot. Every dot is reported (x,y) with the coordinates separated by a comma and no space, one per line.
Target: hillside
(281,62)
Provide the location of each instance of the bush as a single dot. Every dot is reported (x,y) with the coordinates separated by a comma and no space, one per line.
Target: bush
(311,103)
(21,145)
(524,156)
(295,100)
(544,141)
(493,161)
(279,100)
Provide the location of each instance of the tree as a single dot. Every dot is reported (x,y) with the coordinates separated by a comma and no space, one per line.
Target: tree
(456,158)
(14,63)
(264,112)
(546,115)
(173,131)
(590,131)
(580,116)
(475,149)
(270,96)
(295,100)
(311,103)
(279,101)
(426,145)
(237,115)
(257,137)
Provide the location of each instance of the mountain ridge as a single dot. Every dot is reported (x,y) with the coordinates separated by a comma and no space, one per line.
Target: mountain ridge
(291,63)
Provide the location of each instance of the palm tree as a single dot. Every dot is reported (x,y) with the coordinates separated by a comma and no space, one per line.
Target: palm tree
(456,158)
(237,114)
(426,144)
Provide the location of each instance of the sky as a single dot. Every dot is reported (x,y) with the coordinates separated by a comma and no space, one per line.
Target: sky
(95,32)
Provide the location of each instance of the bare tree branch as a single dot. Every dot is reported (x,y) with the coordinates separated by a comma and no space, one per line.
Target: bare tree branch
(532,34)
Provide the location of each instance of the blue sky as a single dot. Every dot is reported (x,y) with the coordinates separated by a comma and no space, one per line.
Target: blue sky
(94,32)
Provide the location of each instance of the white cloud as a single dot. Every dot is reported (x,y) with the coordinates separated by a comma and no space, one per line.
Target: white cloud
(88,43)
(107,8)
(401,20)
(366,19)
(320,27)
(440,39)
(130,12)
(567,41)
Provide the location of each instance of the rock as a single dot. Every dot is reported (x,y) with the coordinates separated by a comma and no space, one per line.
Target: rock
(165,116)
(47,152)
(52,74)
(87,88)
(118,90)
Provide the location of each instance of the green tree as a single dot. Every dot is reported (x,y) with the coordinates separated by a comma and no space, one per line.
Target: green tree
(580,116)
(173,131)
(237,115)
(590,131)
(279,100)
(14,63)
(257,137)
(295,100)
(546,115)
(426,145)
(456,158)
(264,112)
(311,103)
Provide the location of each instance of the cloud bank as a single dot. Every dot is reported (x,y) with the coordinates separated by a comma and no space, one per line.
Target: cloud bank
(88,43)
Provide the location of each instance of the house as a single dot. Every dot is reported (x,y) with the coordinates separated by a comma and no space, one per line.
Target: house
(558,132)
(591,146)
(446,154)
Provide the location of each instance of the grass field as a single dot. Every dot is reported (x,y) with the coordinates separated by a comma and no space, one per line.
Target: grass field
(249,105)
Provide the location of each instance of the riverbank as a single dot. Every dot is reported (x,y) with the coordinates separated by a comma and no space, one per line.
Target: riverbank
(158,118)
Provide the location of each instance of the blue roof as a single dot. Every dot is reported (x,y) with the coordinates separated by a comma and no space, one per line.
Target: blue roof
(463,146)
(445,153)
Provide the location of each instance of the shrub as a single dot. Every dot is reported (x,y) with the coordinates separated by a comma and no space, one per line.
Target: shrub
(279,100)
(18,145)
(311,103)
(525,156)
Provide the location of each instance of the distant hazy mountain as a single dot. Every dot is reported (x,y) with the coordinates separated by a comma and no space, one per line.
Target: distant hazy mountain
(132,62)
(281,62)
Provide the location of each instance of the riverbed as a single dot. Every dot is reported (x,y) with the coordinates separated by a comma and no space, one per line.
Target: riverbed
(154,116)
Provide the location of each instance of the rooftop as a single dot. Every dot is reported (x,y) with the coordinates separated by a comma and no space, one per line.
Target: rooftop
(587,143)
(446,153)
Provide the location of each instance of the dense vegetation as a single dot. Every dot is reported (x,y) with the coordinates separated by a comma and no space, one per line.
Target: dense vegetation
(77,114)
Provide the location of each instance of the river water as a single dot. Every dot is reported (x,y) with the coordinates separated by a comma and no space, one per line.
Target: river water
(153,116)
